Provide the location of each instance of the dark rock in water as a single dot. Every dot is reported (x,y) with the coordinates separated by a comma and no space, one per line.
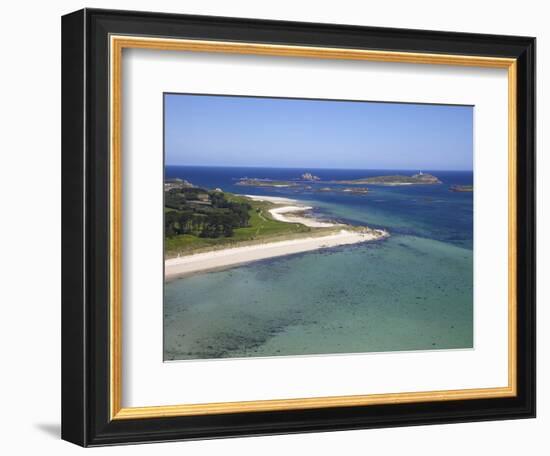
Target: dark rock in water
(461,188)
(256,182)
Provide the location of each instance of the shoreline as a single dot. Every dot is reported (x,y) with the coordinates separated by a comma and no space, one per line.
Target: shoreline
(292,206)
(282,215)
(220,259)
(233,256)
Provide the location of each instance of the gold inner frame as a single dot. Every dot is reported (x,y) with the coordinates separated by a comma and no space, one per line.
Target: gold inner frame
(117,44)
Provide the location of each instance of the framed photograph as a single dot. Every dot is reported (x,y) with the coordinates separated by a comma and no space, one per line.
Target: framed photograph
(278,227)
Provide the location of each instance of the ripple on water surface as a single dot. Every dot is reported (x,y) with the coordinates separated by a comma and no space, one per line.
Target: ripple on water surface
(404,293)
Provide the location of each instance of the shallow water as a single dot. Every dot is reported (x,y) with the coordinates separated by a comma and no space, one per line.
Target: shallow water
(412,291)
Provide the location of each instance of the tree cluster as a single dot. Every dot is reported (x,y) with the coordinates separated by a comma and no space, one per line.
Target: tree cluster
(211,217)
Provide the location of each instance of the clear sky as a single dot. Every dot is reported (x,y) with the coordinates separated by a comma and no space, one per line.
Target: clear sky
(277,132)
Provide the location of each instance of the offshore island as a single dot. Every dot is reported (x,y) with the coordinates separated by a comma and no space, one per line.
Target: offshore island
(309,181)
(461,188)
(209,229)
(393,180)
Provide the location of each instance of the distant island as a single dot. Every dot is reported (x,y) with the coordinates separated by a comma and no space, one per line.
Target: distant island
(352,190)
(255,182)
(397,179)
(310,177)
(461,188)
(264,182)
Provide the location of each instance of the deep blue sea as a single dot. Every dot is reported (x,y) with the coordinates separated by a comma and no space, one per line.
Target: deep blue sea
(412,291)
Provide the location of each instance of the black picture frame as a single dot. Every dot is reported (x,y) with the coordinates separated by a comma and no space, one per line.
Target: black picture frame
(85,224)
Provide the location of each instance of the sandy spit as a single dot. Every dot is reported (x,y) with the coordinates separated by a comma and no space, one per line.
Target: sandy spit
(286,213)
(219,259)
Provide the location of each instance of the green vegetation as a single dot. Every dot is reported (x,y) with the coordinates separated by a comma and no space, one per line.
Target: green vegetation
(397,179)
(200,220)
(199,213)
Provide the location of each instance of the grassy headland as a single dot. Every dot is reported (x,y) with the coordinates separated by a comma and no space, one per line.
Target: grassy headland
(199,220)
(189,222)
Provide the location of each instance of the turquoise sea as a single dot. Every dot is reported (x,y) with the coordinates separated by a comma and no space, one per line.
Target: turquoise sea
(412,291)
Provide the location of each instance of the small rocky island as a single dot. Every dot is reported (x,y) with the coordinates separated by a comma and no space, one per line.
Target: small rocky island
(254,182)
(310,177)
(461,188)
(397,179)
(265,182)
(352,190)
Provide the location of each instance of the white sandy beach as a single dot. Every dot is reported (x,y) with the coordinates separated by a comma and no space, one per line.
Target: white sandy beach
(199,262)
(218,259)
(272,199)
(282,213)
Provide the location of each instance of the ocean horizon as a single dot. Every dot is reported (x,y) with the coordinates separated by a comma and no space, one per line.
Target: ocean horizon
(328,168)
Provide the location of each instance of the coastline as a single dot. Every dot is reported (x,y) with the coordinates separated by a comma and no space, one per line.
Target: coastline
(286,213)
(232,256)
(218,259)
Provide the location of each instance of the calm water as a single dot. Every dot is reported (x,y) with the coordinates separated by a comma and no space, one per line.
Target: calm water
(412,291)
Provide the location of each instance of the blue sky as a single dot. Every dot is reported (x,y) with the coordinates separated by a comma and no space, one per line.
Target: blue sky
(277,132)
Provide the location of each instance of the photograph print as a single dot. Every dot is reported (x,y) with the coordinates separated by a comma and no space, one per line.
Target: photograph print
(299,227)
